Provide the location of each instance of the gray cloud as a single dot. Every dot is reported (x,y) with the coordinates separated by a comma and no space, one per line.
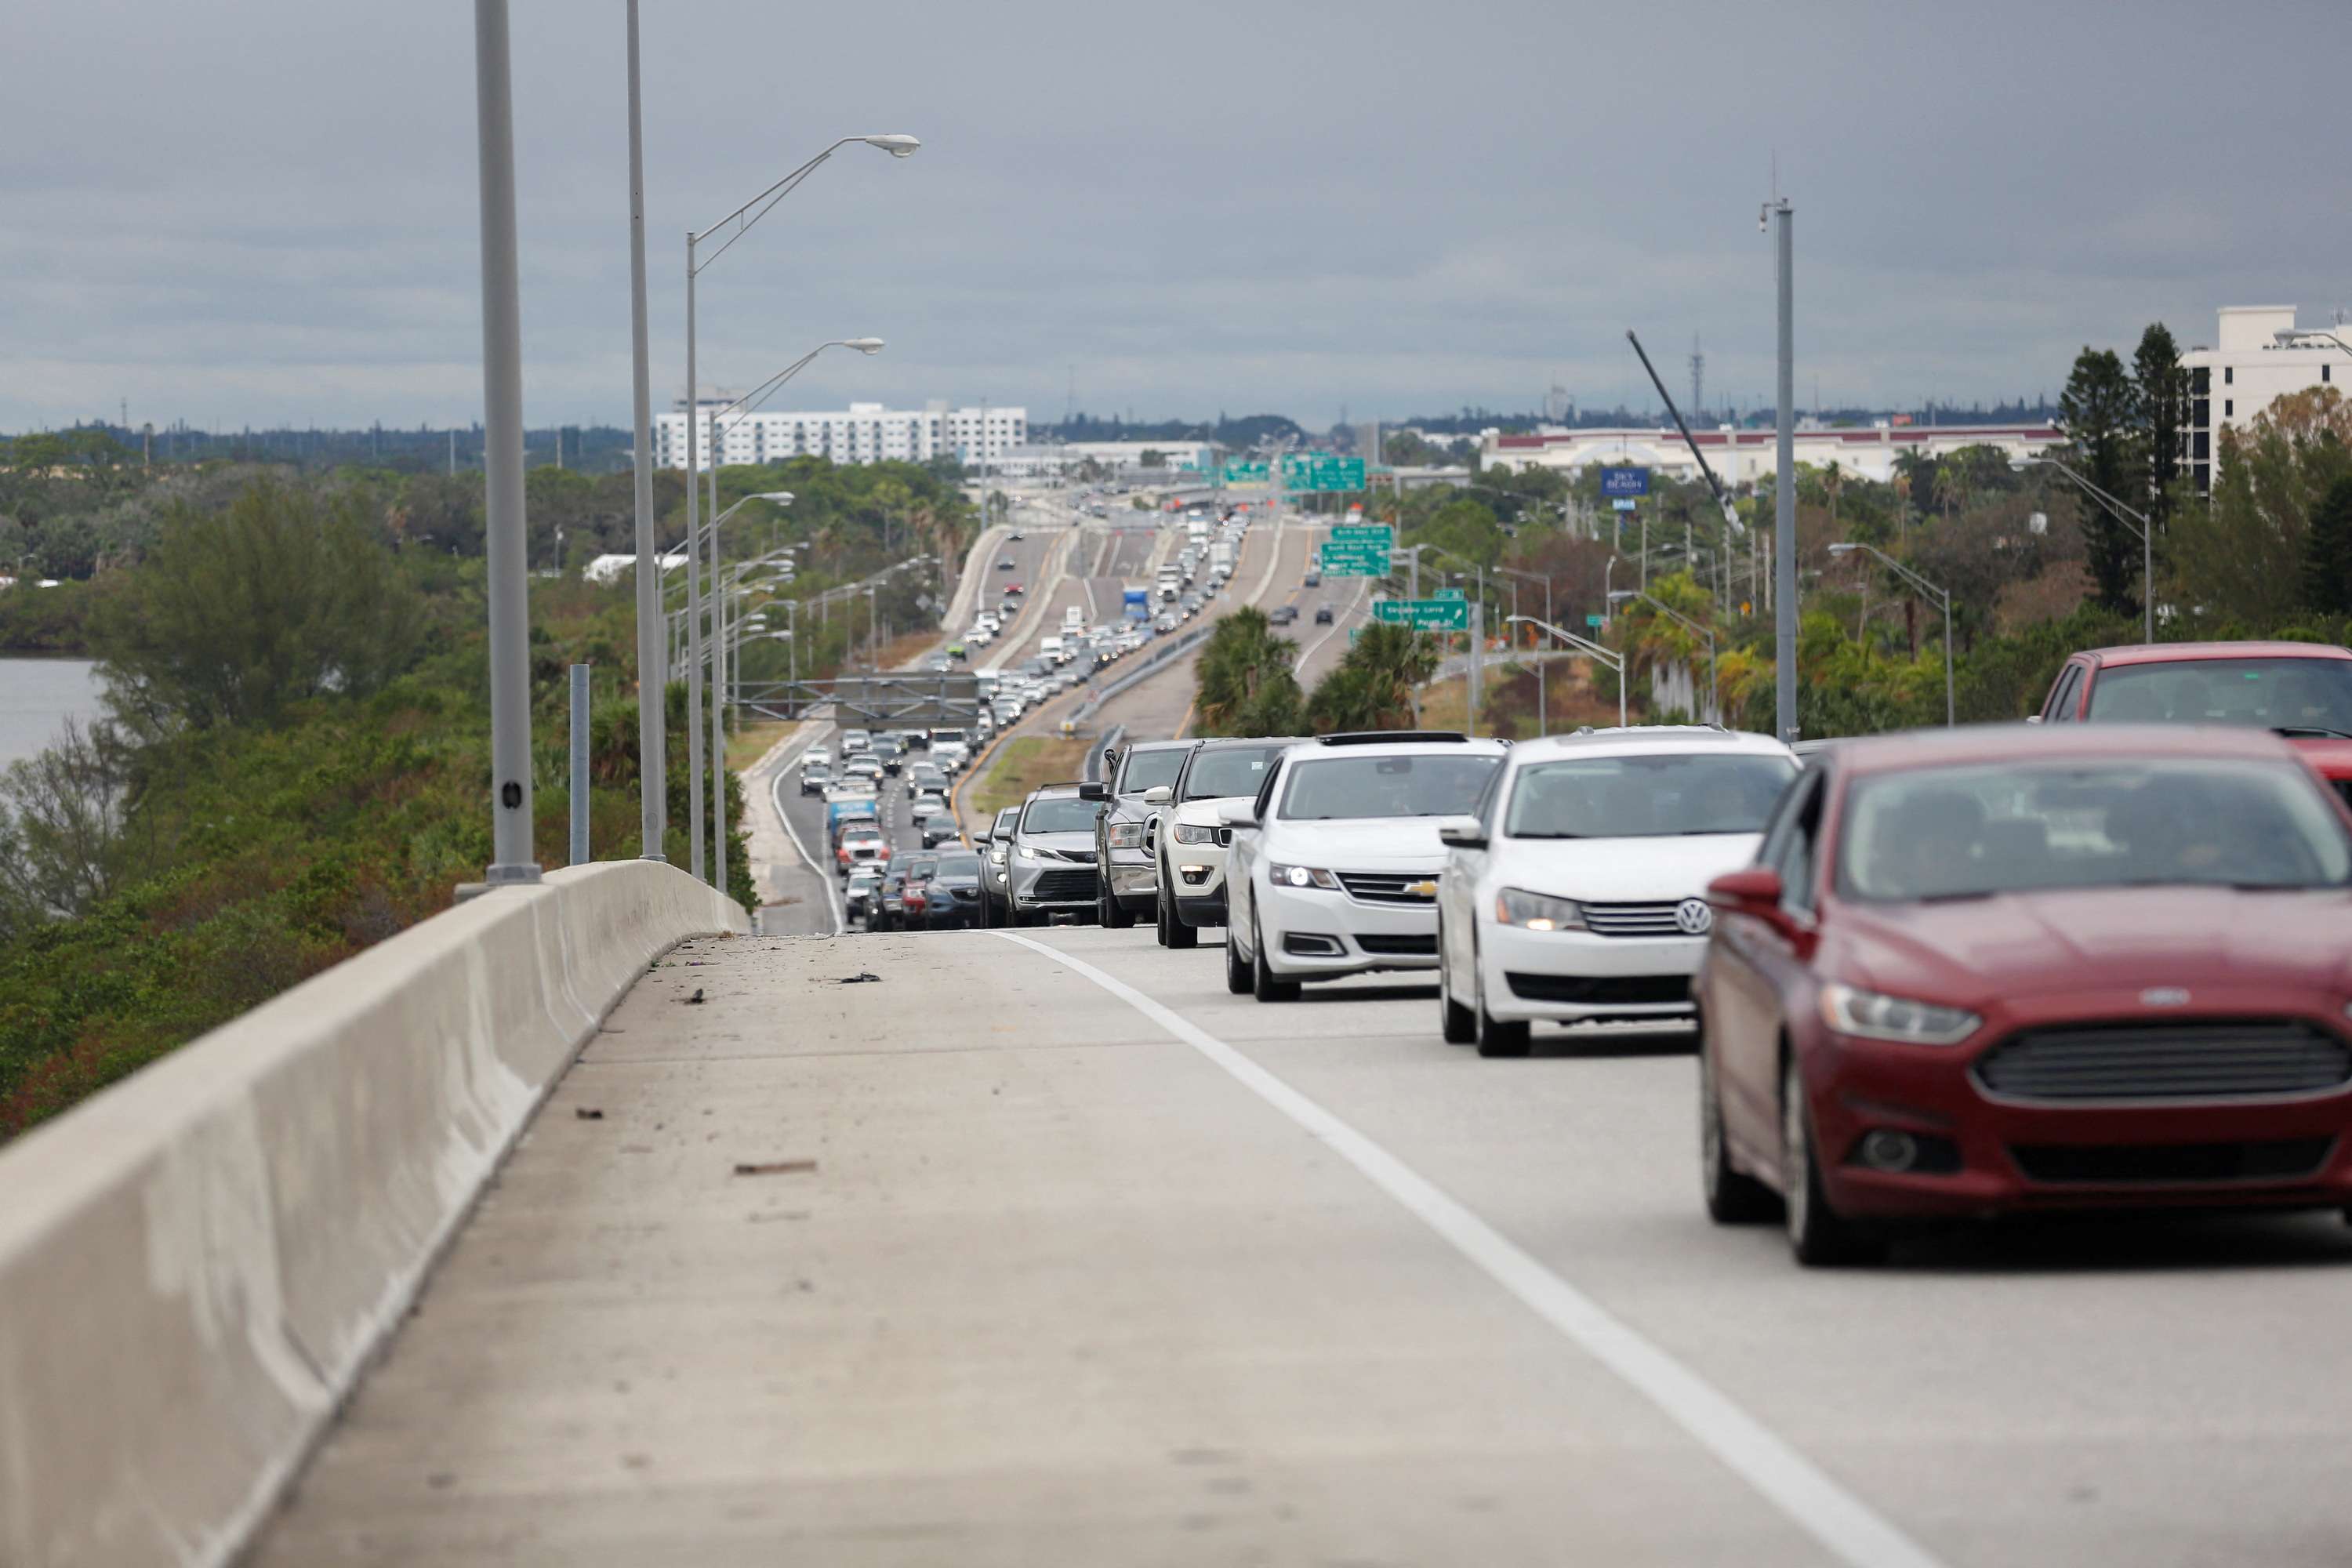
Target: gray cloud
(258,210)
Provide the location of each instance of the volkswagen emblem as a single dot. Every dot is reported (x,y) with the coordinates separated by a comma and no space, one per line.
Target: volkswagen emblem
(1694,917)
(2164,997)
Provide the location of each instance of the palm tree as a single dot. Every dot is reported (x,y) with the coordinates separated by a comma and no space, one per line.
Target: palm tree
(1243,683)
(1372,686)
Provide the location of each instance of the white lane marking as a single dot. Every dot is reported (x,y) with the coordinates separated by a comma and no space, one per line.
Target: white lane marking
(1308,655)
(822,873)
(1851,1530)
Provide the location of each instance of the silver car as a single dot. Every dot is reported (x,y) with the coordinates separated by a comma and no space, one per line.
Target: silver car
(1121,847)
(1051,864)
(995,848)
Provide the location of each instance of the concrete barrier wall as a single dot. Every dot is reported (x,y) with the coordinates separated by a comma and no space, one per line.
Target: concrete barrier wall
(195,1265)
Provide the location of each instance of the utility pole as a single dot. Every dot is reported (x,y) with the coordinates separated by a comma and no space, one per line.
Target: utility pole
(653,674)
(1784,523)
(510,607)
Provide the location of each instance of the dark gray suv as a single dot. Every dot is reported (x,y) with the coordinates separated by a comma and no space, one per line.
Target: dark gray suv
(995,848)
(1130,887)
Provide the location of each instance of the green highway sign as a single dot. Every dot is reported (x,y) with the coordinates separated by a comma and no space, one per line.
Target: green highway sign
(1311,471)
(1594,621)
(1247,473)
(1377,533)
(1449,594)
(1429,615)
(1345,561)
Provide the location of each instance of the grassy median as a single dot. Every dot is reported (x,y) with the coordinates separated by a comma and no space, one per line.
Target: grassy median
(1021,764)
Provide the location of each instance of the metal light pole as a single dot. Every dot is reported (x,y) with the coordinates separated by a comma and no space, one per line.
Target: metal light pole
(1608,656)
(510,603)
(1908,575)
(1543,707)
(742,217)
(741,409)
(1714,689)
(653,677)
(1784,486)
(2139,523)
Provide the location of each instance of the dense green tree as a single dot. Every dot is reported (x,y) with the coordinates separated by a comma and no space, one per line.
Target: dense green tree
(240,613)
(2160,391)
(2328,553)
(2100,408)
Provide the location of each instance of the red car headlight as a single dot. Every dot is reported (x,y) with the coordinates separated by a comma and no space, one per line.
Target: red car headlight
(1866,1013)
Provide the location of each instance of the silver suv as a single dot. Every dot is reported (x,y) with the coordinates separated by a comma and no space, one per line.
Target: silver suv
(1050,865)
(1130,886)
(995,847)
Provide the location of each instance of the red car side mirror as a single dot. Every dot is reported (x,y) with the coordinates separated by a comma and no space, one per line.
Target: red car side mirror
(1752,890)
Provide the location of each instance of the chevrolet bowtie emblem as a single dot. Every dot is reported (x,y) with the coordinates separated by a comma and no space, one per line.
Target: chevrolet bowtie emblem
(1422,889)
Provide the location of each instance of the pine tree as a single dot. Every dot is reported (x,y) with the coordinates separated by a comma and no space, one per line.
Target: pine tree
(2328,553)
(2098,409)
(2160,387)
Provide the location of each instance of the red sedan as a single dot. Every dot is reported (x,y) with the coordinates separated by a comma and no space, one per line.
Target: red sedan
(2014,969)
(2299,690)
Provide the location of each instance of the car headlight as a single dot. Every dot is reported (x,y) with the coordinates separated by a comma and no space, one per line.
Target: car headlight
(996,856)
(1300,877)
(1876,1018)
(1195,832)
(1028,853)
(1538,912)
(1125,835)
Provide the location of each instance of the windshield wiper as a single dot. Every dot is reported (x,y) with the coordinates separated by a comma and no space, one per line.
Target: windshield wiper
(2310,729)
(1551,836)
(1960,896)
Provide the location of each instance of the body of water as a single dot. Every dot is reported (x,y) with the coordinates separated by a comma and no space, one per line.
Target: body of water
(37,697)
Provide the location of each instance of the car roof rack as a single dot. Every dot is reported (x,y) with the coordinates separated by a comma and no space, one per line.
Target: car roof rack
(1379,737)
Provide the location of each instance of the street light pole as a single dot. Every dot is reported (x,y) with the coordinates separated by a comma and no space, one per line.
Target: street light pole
(2139,522)
(742,217)
(1543,707)
(1950,653)
(653,677)
(1714,689)
(511,853)
(1608,656)
(1784,503)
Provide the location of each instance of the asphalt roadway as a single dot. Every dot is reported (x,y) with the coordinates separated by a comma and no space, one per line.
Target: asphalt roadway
(1039,1247)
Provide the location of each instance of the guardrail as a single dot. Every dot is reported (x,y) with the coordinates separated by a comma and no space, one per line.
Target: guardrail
(196,1264)
(1148,667)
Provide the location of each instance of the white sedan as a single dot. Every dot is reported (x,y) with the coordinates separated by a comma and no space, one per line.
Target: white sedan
(1580,891)
(1340,873)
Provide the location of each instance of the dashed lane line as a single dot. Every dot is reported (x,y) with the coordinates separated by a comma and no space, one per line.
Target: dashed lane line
(1849,1529)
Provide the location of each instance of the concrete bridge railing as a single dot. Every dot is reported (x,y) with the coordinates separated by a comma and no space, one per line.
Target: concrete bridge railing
(196,1264)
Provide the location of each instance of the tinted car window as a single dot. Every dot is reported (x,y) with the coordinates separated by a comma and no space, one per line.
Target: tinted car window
(1645,797)
(1949,833)
(2275,693)
(1059,814)
(1220,773)
(1379,786)
(959,866)
(1149,770)
(1005,821)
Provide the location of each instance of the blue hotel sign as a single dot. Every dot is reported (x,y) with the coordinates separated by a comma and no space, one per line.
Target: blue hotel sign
(1624,481)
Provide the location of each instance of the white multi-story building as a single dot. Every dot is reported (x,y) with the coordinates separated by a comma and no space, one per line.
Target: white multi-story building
(2259,357)
(863,433)
(1745,456)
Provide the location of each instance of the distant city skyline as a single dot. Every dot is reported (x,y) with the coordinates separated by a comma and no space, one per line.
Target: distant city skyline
(261,212)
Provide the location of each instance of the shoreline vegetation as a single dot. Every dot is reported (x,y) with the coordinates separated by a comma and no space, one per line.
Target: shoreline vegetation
(293,762)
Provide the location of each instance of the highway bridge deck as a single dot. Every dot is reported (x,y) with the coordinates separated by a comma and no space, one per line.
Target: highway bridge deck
(1039,1247)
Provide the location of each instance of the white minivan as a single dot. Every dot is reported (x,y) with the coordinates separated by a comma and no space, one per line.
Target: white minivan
(1050,649)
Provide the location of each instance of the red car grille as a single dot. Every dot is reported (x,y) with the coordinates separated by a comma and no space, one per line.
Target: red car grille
(2203,1059)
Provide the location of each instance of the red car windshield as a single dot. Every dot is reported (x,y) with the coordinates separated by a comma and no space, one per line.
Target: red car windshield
(2297,696)
(1949,832)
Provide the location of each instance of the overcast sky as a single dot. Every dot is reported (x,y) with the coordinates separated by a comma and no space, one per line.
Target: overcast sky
(264,211)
